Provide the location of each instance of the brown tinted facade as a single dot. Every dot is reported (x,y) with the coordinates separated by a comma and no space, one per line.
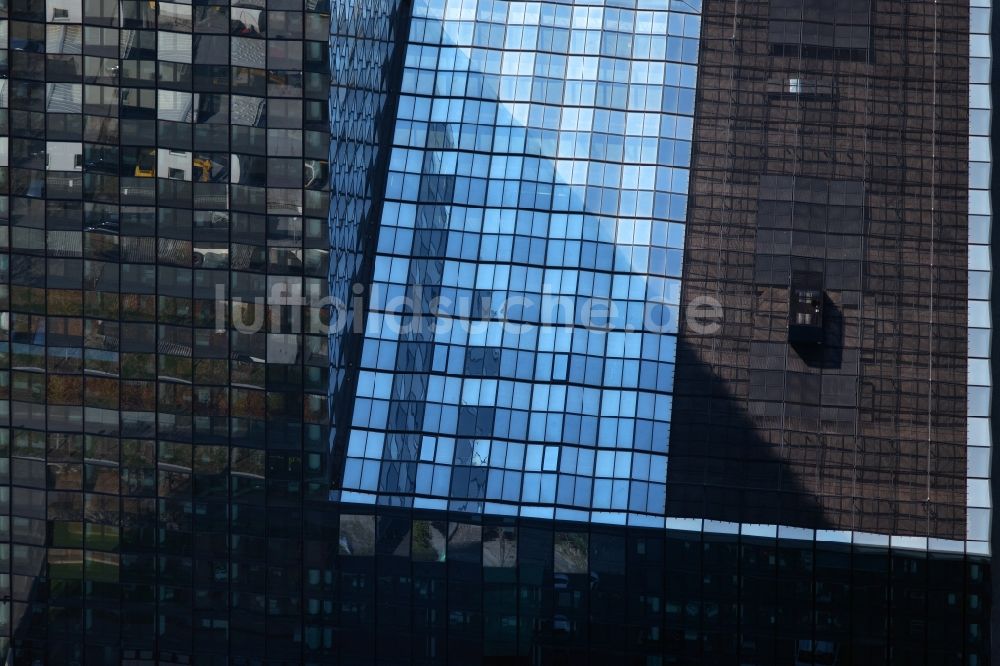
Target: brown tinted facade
(829,218)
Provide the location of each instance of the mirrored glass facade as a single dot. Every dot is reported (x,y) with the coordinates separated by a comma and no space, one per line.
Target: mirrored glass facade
(541,164)
(980,392)
(369,331)
(164,199)
(538,177)
(831,217)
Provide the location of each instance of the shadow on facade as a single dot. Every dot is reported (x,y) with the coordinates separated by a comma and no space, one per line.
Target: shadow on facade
(721,466)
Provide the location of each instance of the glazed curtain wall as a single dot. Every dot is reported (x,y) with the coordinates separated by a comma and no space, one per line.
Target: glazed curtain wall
(539,160)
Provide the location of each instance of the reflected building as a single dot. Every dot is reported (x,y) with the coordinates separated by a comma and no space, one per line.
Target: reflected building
(532,344)
(165,201)
(538,173)
(495,331)
(782,209)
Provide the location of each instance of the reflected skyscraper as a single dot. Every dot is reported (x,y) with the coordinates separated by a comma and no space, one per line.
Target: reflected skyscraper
(495,331)
(539,163)
(781,213)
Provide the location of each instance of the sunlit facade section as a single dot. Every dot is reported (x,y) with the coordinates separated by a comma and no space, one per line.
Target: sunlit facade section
(519,347)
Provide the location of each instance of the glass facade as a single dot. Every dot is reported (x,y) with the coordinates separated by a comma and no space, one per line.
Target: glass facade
(366,52)
(485,400)
(164,202)
(542,591)
(830,218)
(538,174)
(980,392)
(525,293)
(359,332)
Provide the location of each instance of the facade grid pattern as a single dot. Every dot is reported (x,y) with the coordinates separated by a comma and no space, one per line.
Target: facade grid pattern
(164,202)
(539,163)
